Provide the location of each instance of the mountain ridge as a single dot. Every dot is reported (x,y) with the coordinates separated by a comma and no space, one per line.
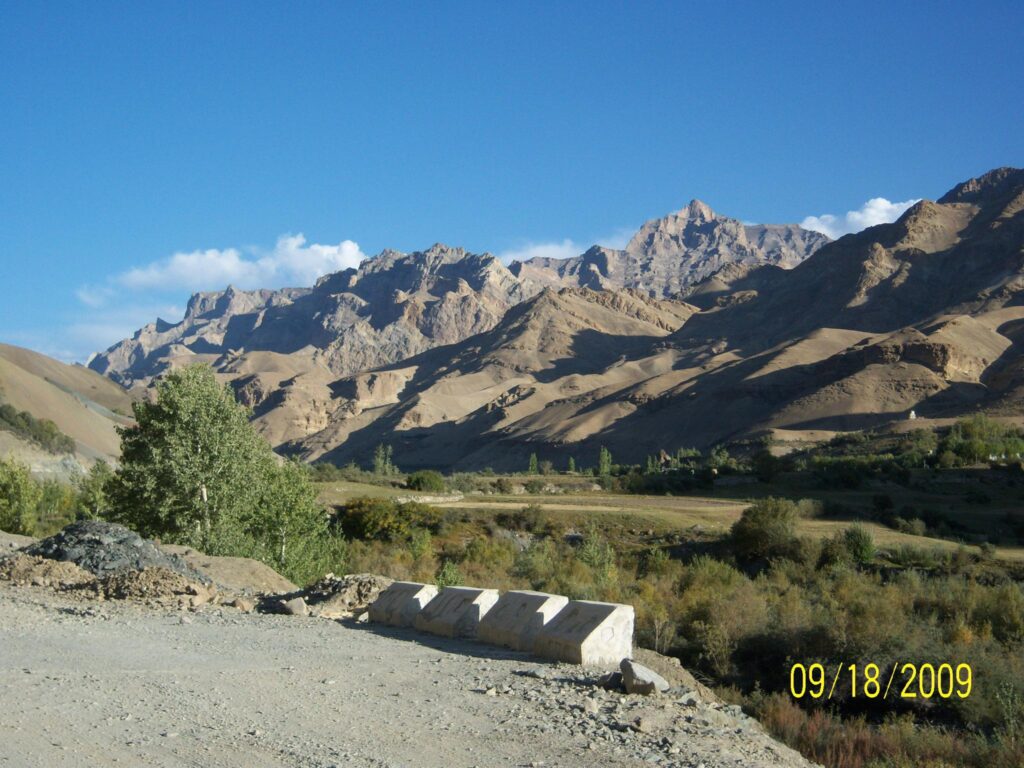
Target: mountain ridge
(714,341)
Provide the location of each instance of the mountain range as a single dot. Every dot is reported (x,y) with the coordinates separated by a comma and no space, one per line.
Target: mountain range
(703,329)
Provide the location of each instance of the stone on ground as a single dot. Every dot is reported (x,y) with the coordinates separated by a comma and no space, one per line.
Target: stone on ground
(636,678)
(295,607)
(339,597)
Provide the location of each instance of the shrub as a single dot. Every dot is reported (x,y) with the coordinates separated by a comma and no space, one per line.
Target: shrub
(19,498)
(530,518)
(766,529)
(372,517)
(534,486)
(448,575)
(43,432)
(859,544)
(426,480)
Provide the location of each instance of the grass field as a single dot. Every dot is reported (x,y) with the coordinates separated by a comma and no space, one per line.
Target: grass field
(696,515)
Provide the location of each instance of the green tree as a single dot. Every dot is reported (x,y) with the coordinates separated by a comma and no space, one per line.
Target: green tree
(92,491)
(56,507)
(572,465)
(766,529)
(19,498)
(546,467)
(287,515)
(533,464)
(860,544)
(604,462)
(194,471)
(426,480)
(382,463)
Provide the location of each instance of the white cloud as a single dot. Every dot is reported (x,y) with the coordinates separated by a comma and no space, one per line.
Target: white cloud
(618,239)
(77,337)
(563,250)
(115,308)
(94,296)
(292,262)
(877,210)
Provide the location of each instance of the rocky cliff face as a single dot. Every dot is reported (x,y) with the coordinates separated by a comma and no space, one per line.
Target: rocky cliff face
(393,306)
(670,254)
(458,361)
(923,314)
(396,305)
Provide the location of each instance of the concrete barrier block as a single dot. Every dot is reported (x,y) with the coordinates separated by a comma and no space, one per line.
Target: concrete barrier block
(518,617)
(399,604)
(456,611)
(588,633)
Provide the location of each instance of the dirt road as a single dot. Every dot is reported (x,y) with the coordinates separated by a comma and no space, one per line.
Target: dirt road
(121,684)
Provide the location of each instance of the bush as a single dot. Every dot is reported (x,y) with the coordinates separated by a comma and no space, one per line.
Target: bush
(383,519)
(43,432)
(19,498)
(530,518)
(373,517)
(766,529)
(426,480)
(859,544)
(448,575)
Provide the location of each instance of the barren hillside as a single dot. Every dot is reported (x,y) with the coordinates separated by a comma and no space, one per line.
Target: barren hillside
(84,405)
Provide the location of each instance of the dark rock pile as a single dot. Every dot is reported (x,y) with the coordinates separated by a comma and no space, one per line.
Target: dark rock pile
(107,548)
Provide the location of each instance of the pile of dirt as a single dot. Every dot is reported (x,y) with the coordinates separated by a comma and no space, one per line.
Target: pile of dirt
(107,548)
(339,597)
(235,574)
(30,570)
(152,584)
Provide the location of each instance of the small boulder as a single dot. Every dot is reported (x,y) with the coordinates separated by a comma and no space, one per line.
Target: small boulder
(636,678)
(612,681)
(244,604)
(295,607)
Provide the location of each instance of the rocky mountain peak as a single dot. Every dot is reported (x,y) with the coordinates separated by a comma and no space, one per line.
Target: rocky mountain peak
(697,210)
(994,184)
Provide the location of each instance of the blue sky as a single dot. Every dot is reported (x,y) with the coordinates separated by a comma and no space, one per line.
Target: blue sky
(265,142)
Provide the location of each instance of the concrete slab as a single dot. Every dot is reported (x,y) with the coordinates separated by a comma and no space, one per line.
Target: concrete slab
(518,617)
(456,611)
(399,604)
(588,633)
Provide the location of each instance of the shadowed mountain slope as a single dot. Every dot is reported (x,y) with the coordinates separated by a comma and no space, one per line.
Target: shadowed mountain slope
(457,361)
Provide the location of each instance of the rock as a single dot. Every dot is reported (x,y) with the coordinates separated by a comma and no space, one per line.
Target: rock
(612,681)
(636,678)
(340,597)
(244,604)
(591,707)
(107,548)
(295,607)
(643,725)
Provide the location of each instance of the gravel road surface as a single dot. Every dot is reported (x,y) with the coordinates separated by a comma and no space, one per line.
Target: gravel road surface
(118,683)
